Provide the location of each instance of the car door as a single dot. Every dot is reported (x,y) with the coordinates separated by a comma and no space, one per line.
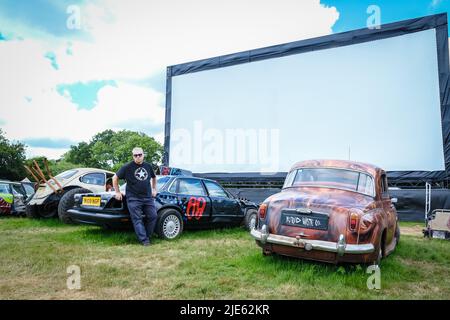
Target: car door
(388,208)
(19,197)
(225,208)
(6,198)
(193,201)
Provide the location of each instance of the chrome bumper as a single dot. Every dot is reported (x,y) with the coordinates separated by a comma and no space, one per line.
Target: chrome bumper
(340,247)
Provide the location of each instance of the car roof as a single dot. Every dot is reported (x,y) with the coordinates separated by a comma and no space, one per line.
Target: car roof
(10,182)
(85,170)
(339,164)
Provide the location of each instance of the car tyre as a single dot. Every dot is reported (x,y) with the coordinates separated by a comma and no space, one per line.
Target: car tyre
(170,224)
(32,212)
(380,247)
(250,219)
(67,202)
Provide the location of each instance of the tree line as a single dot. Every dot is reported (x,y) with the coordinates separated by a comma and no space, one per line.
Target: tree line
(106,150)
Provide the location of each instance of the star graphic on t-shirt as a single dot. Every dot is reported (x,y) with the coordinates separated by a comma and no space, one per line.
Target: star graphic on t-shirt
(141,174)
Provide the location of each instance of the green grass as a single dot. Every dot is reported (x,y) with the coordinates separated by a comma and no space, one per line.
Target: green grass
(214,264)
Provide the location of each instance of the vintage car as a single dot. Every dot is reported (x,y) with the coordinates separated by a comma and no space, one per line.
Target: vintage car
(181,202)
(14,196)
(332,211)
(53,198)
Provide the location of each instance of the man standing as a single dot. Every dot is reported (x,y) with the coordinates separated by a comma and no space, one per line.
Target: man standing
(139,194)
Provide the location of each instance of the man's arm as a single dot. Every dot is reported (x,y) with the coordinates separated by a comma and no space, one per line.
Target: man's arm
(154,191)
(115,180)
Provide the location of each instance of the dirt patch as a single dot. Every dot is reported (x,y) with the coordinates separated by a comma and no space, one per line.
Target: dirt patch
(415,230)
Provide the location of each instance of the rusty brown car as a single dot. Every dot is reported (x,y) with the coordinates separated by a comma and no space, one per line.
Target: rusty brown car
(331,211)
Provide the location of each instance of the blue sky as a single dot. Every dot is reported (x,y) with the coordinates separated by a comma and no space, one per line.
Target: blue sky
(353,12)
(110,72)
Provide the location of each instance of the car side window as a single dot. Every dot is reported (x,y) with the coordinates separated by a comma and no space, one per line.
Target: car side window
(17,190)
(384,186)
(215,190)
(94,178)
(28,189)
(365,184)
(190,186)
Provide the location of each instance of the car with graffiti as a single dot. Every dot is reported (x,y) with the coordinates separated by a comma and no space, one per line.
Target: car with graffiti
(54,195)
(182,202)
(331,211)
(14,196)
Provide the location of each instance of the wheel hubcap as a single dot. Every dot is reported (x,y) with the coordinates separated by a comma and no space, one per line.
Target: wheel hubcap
(171,226)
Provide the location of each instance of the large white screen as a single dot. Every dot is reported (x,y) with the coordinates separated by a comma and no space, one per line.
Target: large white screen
(375,102)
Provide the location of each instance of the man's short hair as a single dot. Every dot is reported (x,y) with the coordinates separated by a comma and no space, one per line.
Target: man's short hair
(137,150)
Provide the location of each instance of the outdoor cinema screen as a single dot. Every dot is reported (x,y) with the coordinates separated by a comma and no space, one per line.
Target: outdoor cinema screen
(376,101)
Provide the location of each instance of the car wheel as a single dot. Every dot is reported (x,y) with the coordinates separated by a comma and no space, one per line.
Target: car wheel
(170,224)
(31,212)
(250,219)
(380,250)
(67,202)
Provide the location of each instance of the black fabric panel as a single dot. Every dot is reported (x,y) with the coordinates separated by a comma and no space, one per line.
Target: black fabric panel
(319,43)
(255,177)
(250,177)
(444,76)
(257,195)
(411,202)
(168,117)
(416,176)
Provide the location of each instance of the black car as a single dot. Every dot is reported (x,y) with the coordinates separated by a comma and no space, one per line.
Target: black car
(181,202)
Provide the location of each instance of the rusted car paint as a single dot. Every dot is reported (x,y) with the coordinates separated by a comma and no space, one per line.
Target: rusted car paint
(376,216)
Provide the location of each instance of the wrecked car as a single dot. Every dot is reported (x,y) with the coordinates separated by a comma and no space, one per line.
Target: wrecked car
(14,196)
(55,195)
(331,211)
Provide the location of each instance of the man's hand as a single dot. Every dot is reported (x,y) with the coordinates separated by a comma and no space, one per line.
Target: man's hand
(118,195)
(153,192)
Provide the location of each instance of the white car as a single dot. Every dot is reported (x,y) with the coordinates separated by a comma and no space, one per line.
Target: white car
(56,197)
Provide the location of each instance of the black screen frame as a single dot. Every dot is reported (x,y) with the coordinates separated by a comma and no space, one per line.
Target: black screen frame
(437,22)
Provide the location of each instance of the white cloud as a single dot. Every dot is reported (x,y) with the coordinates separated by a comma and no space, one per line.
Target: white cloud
(50,153)
(134,40)
(435,3)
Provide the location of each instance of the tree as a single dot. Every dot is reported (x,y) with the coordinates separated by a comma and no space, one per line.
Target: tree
(12,157)
(81,154)
(55,166)
(110,150)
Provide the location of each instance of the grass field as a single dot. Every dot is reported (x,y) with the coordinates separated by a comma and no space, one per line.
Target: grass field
(217,264)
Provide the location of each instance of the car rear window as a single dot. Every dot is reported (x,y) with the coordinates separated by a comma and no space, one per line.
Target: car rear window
(332,178)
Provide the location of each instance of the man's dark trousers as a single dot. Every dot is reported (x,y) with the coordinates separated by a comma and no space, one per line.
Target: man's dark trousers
(143,215)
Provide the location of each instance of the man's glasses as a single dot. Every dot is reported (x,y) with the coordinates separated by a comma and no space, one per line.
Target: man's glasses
(137,155)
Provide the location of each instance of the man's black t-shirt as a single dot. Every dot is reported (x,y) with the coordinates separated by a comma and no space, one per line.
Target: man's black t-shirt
(137,177)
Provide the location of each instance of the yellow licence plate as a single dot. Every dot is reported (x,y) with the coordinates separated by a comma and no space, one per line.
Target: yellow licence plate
(91,201)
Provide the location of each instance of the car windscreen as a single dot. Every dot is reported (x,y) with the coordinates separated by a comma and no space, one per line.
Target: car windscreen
(161,181)
(4,188)
(331,178)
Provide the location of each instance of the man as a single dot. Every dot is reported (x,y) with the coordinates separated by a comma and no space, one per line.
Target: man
(139,194)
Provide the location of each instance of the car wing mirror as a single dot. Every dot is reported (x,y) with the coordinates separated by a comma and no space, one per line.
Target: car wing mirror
(394,200)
